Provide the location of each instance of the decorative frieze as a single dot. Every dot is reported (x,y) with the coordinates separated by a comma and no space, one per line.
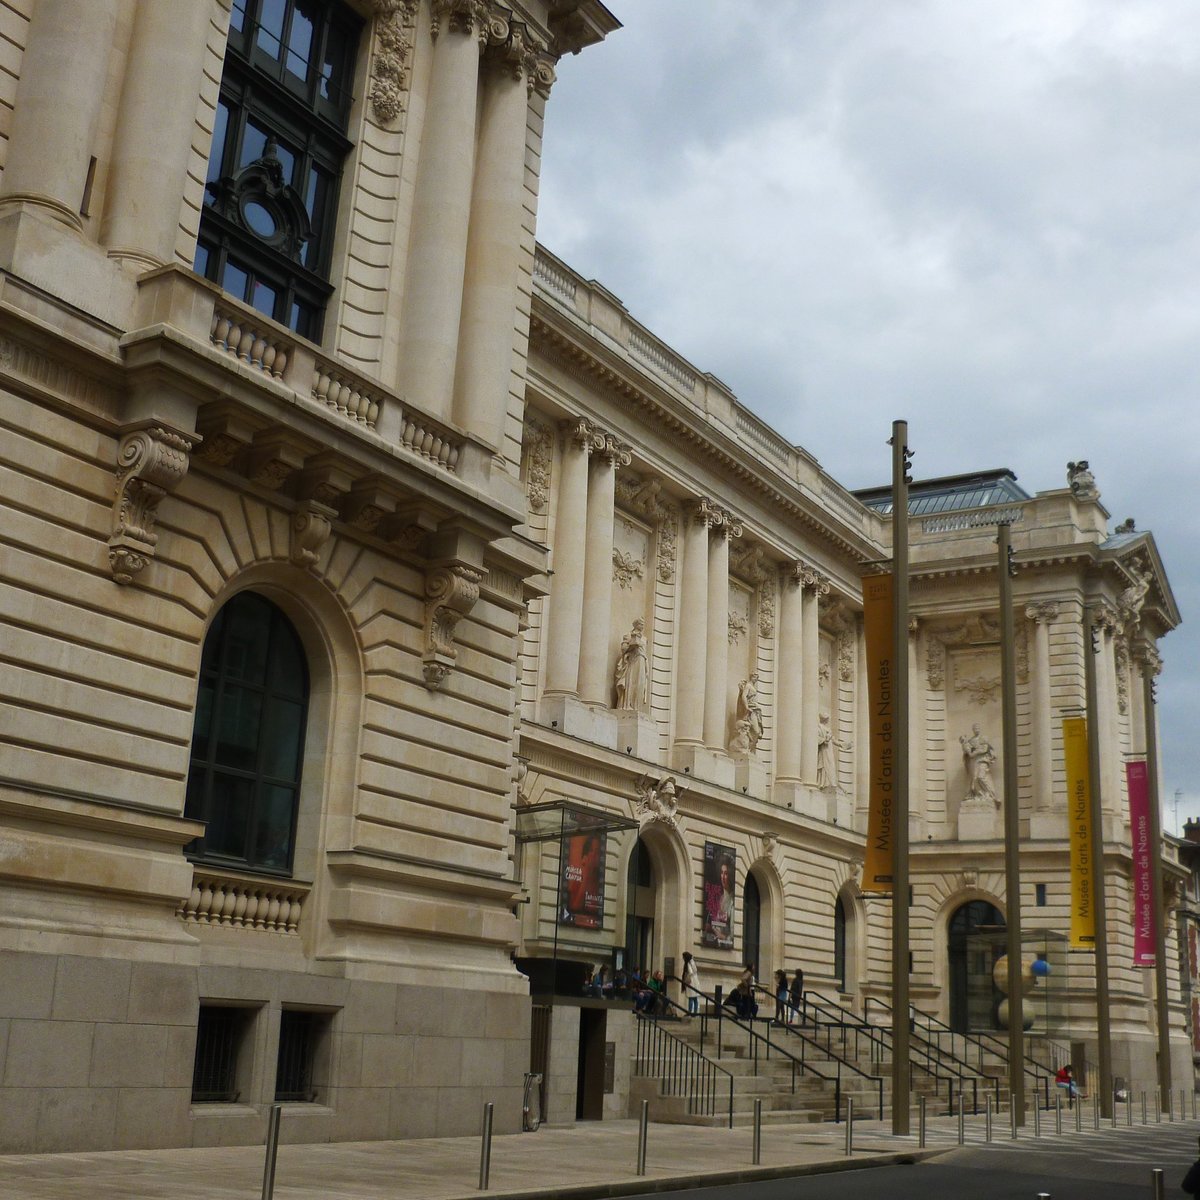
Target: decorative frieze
(450,593)
(393,54)
(151,461)
(539,458)
(737,628)
(626,568)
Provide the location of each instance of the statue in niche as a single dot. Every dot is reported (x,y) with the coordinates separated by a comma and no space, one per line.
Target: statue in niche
(826,745)
(748,719)
(630,675)
(978,759)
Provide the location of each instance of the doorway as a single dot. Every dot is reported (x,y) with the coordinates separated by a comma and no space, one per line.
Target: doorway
(752,925)
(970,959)
(639,910)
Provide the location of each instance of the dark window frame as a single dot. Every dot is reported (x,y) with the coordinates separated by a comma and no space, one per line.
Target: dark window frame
(303,1037)
(308,117)
(217,784)
(223,1031)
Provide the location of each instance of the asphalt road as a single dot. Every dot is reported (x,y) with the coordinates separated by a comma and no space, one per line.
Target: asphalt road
(1110,1165)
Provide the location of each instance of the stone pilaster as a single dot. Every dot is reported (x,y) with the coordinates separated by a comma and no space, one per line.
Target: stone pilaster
(485,340)
(789,688)
(1042,616)
(814,586)
(595,667)
(565,616)
(153,139)
(716,658)
(63,73)
(692,666)
(433,290)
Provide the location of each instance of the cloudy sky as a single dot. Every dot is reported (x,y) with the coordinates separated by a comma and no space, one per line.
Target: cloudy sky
(981,217)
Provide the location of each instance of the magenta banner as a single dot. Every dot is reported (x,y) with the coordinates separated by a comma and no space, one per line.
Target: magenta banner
(1143,901)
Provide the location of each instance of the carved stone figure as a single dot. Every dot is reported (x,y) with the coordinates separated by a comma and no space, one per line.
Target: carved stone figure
(741,745)
(1081,481)
(658,800)
(748,711)
(1129,603)
(978,758)
(629,677)
(826,744)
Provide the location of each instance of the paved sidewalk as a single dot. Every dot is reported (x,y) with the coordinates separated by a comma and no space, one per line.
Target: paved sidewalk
(592,1159)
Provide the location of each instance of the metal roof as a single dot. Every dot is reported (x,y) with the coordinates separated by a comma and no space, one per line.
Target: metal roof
(950,493)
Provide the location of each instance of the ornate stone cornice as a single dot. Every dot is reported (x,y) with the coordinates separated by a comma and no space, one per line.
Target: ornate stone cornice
(151,461)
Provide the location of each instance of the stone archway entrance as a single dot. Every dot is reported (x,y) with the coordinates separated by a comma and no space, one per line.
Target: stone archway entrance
(970,961)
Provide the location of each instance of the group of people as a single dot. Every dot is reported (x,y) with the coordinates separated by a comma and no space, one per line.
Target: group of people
(649,991)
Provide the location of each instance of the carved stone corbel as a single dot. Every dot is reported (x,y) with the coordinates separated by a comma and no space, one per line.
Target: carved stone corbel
(151,461)
(311,524)
(450,593)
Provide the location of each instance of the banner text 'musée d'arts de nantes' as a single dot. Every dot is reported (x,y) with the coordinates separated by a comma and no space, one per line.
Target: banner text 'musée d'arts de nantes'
(880,645)
(1137,778)
(1079,826)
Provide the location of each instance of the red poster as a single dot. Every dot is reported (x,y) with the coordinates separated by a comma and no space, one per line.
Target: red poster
(581,889)
(1143,899)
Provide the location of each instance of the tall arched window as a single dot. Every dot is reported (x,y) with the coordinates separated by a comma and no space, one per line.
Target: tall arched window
(752,925)
(971,957)
(839,943)
(248,739)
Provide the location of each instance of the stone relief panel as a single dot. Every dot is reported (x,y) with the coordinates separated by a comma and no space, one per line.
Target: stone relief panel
(973,725)
(632,579)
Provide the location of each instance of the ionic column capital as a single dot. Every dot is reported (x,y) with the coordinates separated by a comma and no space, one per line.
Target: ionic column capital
(525,56)
(614,452)
(1103,616)
(1044,612)
(1147,656)
(581,433)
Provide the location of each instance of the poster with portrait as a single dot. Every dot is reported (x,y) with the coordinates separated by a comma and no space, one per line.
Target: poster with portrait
(581,886)
(720,879)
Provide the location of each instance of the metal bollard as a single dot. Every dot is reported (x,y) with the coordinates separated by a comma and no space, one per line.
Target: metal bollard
(1143,1108)
(1012,1115)
(1058,1112)
(1156,1183)
(1037,1117)
(962,1120)
(921,1124)
(1157,1108)
(987,1121)
(643,1126)
(756,1157)
(1078,1114)
(1193,1104)
(1114,1112)
(1128,1108)
(1043,1196)
(272,1150)
(1095,1111)
(1182,1104)
(849,1124)
(485,1147)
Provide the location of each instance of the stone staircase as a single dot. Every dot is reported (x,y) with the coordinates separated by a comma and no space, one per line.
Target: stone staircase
(792,1093)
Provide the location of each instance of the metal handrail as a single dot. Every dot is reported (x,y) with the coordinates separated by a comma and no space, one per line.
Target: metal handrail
(682,1070)
(756,1038)
(1043,1075)
(923,1055)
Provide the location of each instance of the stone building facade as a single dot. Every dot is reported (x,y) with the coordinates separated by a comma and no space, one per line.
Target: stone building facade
(331,505)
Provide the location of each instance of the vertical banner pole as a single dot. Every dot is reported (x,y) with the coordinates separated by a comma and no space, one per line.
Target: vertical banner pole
(1149,664)
(900,754)
(1091,650)
(1012,827)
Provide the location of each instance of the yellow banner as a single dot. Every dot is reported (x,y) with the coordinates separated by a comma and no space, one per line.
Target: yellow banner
(1079,825)
(877,627)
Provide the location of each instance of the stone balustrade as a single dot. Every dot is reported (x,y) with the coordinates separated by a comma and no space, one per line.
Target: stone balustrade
(346,394)
(236,332)
(270,905)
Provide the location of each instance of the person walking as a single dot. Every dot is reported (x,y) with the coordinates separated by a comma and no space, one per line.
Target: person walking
(796,994)
(691,983)
(781,998)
